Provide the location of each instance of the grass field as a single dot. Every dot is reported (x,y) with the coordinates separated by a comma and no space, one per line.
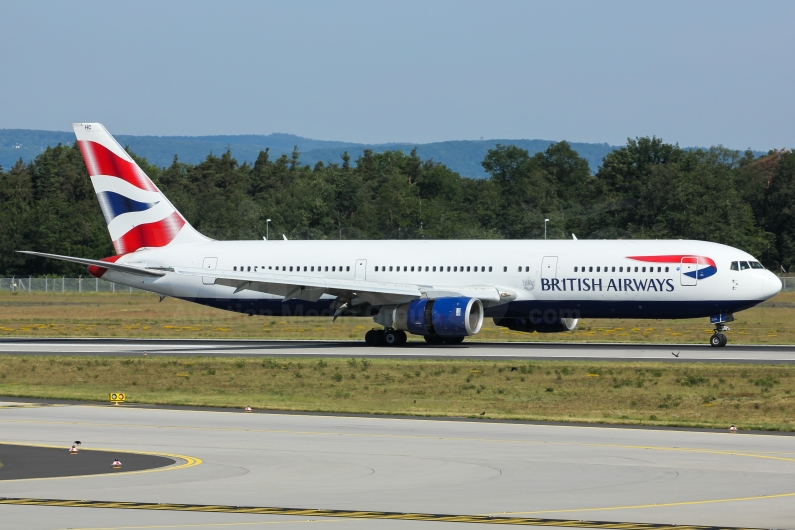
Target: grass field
(142,316)
(713,395)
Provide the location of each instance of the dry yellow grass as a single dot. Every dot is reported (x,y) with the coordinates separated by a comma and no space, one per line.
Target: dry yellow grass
(714,395)
(142,316)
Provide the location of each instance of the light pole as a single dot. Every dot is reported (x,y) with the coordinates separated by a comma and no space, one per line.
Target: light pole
(267,228)
(545,227)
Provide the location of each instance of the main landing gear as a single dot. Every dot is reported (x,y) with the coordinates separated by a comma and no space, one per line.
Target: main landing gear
(385,337)
(396,337)
(718,339)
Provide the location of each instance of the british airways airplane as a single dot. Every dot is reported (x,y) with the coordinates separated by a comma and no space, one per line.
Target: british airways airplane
(441,290)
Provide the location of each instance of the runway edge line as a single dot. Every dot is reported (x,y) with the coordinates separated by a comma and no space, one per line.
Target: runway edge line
(351,514)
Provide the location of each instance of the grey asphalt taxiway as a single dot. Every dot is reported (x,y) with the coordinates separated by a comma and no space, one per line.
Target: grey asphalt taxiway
(466,350)
(233,469)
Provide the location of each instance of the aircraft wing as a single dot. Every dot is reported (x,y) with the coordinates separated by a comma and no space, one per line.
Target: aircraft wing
(312,287)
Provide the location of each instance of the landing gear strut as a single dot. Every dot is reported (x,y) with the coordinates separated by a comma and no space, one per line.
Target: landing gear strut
(718,339)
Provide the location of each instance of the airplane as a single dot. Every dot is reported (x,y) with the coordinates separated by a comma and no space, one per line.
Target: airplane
(441,289)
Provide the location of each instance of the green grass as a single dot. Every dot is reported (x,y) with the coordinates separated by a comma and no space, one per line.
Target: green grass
(142,316)
(692,394)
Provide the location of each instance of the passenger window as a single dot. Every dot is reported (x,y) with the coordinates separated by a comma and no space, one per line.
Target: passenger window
(334,268)
(304,268)
(390,268)
(621,269)
(312,269)
(597,269)
(467,269)
(455,269)
(744,265)
(291,268)
(434,268)
(575,269)
(644,269)
(270,267)
(520,268)
(636,269)
(756,265)
(426,268)
(527,269)
(590,269)
(614,269)
(735,266)
(448,268)
(666,269)
(234,268)
(412,268)
(489,268)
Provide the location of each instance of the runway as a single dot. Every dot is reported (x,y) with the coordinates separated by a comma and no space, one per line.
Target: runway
(396,469)
(467,350)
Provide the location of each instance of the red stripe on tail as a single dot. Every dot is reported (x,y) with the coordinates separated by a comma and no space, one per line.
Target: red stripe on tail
(101,161)
(157,234)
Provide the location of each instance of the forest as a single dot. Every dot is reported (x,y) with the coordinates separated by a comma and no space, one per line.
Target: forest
(647,189)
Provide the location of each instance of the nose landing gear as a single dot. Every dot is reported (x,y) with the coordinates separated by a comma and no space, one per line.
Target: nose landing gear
(718,339)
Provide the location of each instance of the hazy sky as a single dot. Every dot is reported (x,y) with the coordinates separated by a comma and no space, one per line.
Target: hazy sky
(697,73)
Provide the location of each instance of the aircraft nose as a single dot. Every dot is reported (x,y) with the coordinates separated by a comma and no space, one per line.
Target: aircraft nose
(771,285)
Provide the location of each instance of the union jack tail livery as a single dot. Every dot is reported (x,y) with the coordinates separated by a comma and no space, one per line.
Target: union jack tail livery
(137,213)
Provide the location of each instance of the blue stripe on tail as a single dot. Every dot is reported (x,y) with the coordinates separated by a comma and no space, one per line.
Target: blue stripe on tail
(113,205)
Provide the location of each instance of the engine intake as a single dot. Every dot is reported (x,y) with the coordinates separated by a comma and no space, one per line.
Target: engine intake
(445,317)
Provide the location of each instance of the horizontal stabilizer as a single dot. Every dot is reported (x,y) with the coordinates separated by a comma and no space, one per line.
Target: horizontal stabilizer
(97,263)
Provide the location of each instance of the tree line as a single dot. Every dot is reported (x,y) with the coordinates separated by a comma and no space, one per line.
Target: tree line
(646,190)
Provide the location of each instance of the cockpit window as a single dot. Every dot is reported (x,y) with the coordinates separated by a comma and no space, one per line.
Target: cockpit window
(735,266)
(744,265)
(756,265)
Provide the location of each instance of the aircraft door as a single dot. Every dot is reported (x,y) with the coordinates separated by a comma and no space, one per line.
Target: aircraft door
(360,272)
(688,271)
(209,264)
(549,267)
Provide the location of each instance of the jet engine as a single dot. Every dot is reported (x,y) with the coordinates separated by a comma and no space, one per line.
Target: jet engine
(444,317)
(541,325)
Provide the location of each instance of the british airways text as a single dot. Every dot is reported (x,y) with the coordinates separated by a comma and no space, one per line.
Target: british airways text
(603,284)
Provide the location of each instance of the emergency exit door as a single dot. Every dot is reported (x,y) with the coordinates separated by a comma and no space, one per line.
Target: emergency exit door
(209,264)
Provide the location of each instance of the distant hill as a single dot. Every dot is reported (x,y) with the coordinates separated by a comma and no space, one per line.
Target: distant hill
(462,156)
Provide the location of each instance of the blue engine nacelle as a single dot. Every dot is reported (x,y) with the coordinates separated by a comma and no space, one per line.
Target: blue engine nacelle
(445,317)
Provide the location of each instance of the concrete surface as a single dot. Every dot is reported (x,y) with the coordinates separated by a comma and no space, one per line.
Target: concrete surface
(402,465)
(476,350)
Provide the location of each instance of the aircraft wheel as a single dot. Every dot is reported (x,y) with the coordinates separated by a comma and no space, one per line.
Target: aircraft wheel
(723,339)
(715,340)
(402,336)
(453,340)
(392,337)
(434,339)
(374,337)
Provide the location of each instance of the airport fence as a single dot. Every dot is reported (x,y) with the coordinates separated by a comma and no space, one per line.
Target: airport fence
(62,284)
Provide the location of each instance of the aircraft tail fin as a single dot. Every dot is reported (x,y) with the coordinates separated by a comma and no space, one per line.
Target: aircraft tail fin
(137,213)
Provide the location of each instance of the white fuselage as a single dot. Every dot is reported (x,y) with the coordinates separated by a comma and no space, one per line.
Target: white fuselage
(571,278)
